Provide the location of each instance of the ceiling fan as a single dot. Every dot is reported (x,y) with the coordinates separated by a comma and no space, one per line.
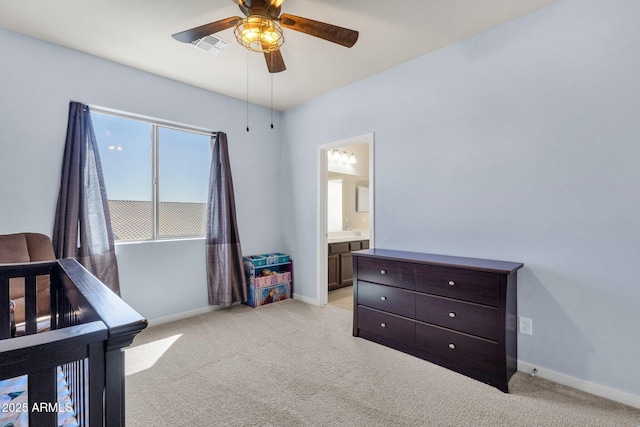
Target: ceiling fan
(261,30)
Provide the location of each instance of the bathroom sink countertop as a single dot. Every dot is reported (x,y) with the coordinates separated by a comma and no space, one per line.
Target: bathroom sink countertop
(340,239)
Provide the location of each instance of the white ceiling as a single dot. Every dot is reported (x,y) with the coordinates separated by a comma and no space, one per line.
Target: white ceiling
(138,33)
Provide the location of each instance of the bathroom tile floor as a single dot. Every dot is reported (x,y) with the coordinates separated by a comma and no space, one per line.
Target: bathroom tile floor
(342,298)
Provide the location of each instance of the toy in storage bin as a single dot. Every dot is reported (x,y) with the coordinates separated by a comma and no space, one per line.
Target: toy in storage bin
(257,260)
(276,258)
(269,278)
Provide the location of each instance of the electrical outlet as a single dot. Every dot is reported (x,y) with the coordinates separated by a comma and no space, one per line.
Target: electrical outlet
(525,325)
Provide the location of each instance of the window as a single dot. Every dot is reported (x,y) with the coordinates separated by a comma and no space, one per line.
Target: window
(156,177)
(334,205)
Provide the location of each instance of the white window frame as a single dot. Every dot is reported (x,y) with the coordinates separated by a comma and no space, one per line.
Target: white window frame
(156,124)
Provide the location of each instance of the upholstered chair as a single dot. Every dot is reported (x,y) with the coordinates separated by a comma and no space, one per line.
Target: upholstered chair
(27,247)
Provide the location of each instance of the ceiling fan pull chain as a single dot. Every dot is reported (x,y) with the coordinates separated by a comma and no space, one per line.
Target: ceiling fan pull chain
(247,91)
(271,93)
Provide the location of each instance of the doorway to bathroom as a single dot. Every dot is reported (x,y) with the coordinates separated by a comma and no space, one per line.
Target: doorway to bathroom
(345,218)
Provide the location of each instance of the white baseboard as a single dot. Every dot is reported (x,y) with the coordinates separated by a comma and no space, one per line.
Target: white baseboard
(183,315)
(307,300)
(582,385)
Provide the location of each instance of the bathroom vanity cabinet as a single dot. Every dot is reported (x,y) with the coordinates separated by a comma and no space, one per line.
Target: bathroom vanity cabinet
(340,263)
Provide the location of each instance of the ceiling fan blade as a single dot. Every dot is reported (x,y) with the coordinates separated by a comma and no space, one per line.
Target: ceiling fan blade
(332,33)
(197,33)
(275,63)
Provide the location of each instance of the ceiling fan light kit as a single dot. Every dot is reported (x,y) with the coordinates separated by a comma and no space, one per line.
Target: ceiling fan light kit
(259,34)
(261,30)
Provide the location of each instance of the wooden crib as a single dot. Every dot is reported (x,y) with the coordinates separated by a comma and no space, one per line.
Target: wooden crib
(81,350)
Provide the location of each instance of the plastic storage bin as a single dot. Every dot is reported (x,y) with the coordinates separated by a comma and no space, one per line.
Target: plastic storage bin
(269,278)
(262,296)
(257,260)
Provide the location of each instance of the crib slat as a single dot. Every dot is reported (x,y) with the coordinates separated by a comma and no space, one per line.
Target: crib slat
(54,291)
(5,318)
(30,308)
(79,386)
(43,395)
(5,312)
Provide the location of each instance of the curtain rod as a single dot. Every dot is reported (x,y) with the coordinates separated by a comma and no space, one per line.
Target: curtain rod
(161,122)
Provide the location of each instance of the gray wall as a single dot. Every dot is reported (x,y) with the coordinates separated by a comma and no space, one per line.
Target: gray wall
(37,81)
(518,144)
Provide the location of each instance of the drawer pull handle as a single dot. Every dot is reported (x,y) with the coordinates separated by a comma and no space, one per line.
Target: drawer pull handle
(383,298)
(452,346)
(383,325)
(452,314)
(383,271)
(451,283)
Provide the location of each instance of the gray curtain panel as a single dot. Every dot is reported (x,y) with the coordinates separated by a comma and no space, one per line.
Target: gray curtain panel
(82,227)
(225,273)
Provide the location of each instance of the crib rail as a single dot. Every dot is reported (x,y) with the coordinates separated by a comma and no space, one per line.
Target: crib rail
(39,356)
(89,328)
(97,302)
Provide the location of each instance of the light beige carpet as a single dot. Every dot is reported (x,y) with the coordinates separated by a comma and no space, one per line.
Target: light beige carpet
(294,364)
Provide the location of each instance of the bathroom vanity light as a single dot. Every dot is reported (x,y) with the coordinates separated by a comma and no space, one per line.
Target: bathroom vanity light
(341,157)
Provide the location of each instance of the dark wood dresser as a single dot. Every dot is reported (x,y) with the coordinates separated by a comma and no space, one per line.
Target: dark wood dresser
(460,313)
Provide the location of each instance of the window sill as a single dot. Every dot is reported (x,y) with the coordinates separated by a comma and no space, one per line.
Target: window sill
(162,240)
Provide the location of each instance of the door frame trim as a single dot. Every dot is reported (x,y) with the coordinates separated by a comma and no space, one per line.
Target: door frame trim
(321,216)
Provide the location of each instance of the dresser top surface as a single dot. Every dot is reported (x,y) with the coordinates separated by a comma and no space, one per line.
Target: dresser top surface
(503,267)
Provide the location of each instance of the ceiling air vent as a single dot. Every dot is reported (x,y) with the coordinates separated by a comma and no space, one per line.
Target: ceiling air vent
(211,44)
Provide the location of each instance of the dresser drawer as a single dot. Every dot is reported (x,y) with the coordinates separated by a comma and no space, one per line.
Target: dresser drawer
(468,285)
(387,298)
(462,316)
(469,351)
(386,272)
(388,326)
